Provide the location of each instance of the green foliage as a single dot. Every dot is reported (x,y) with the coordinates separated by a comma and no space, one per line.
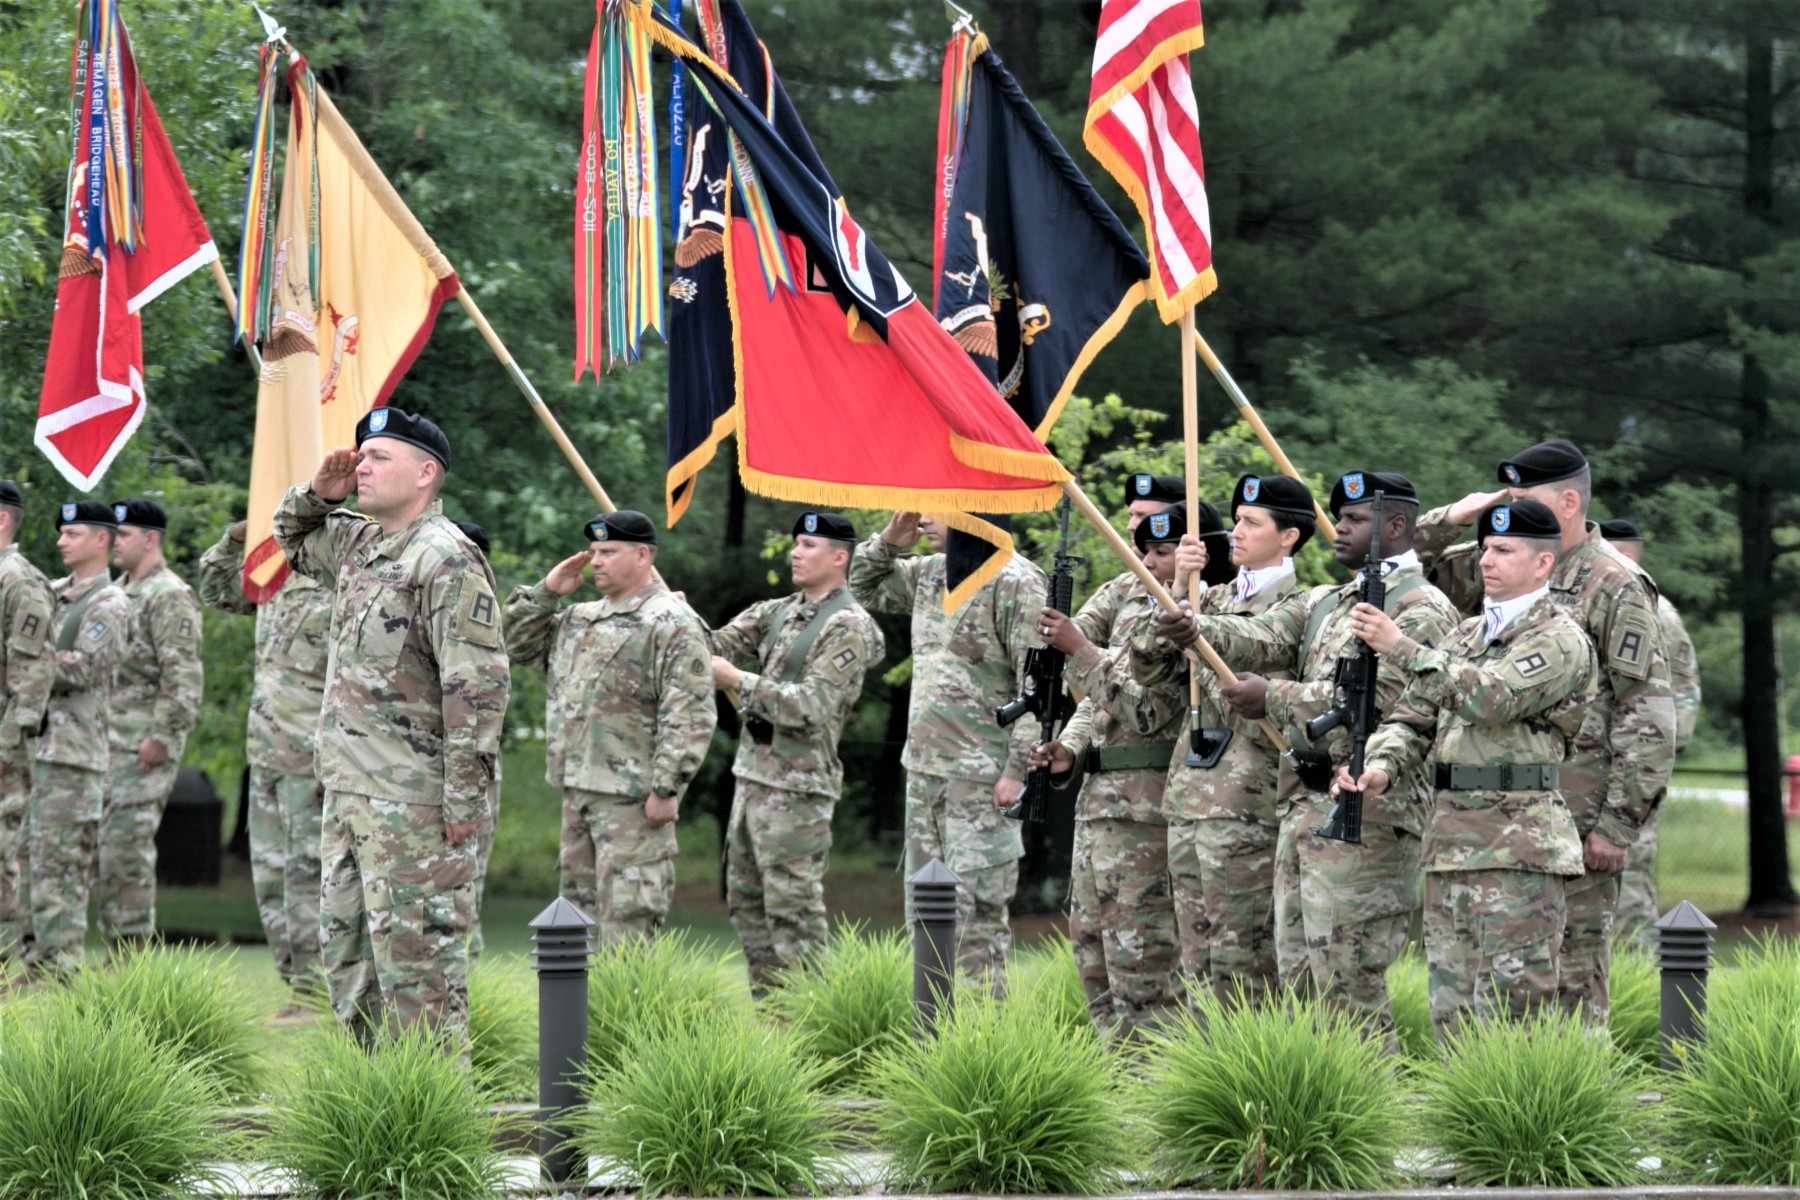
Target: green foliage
(1410,993)
(503,1026)
(398,1120)
(716,1107)
(1734,1110)
(1046,986)
(637,988)
(189,1002)
(1284,1095)
(102,1110)
(996,1104)
(1635,997)
(1536,1102)
(850,1003)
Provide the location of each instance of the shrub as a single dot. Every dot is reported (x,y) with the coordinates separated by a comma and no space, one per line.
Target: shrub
(1734,1112)
(1047,981)
(1635,1020)
(190,1001)
(1535,1102)
(850,1002)
(999,1103)
(102,1110)
(503,1026)
(638,988)
(1288,1094)
(396,1120)
(1409,989)
(716,1107)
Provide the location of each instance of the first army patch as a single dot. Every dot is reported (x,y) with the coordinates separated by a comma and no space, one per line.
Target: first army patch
(477,617)
(1630,651)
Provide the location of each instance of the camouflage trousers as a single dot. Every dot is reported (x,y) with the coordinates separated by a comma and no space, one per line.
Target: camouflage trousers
(285,822)
(394,916)
(614,865)
(775,850)
(1223,875)
(125,876)
(15,802)
(64,824)
(1356,908)
(955,822)
(1491,942)
(1122,923)
(1585,966)
(1637,913)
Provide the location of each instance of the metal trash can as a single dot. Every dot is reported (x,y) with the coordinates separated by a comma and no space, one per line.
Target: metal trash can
(188,843)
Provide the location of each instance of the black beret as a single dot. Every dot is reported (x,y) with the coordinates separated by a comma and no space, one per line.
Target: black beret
(402,426)
(1517,518)
(1358,487)
(1620,529)
(87,512)
(826,525)
(622,526)
(1169,489)
(1165,526)
(1546,462)
(9,494)
(478,535)
(145,514)
(1277,493)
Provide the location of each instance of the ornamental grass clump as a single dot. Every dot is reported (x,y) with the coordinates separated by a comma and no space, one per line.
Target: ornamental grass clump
(102,1110)
(1539,1101)
(1635,998)
(1000,1101)
(1734,1110)
(1288,1094)
(848,1003)
(1409,991)
(398,1120)
(639,987)
(190,1001)
(1046,981)
(503,1027)
(720,1106)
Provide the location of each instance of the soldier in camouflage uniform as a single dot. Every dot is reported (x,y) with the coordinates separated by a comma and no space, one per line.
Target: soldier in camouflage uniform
(628,716)
(287,801)
(415,694)
(91,629)
(490,825)
(810,651)
(962,769)
(27,668)
(1637,886)
(1122,917)
(1622,758)
(1495,710)
(155,702)
(1355,902)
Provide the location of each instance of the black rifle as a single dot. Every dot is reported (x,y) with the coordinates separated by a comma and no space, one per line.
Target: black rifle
(1354,681)
(1045,696)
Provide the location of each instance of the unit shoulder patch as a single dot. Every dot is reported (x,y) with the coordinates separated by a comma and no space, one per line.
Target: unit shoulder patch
(477,616)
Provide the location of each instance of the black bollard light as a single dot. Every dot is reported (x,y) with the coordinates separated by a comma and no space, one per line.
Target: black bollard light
(562,941)
(936,913)
(1684,957)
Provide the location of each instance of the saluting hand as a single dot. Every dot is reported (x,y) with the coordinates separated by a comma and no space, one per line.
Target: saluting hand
(565,576)
(1464,511)
(336,477)
(902,530)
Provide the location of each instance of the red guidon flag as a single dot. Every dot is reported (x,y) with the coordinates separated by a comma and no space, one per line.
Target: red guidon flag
(1144,127)
(131,231)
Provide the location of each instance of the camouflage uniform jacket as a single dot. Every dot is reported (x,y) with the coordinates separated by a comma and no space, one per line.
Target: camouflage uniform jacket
(81,695)
(1270,641)
(26,664)
(293,640)
(1242,784)
(1684,672)
(630,707)
(965,664)
(808,715)
(1518,699)
(157,691)
(417,681)
(1115,709)
(1623,758)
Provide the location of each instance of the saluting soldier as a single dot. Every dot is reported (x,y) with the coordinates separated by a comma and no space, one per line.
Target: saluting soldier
(1495,710)
(415,695)
(27,669)
(628,716)
(1615,778)
(810,651)
(287,801)
(92,625)
(155,703)
(962,769)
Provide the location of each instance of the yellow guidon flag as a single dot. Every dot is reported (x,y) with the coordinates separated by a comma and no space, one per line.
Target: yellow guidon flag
(347,297)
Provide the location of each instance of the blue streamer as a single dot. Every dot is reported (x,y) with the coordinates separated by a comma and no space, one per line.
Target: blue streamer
(677,135)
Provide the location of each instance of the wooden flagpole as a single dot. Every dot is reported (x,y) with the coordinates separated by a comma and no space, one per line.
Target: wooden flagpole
(1190,448)
(229,295)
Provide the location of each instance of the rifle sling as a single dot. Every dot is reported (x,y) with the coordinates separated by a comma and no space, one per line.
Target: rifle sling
(71,626)
(792,666)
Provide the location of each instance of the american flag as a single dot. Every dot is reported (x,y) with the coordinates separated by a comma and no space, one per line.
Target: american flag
(1143,125)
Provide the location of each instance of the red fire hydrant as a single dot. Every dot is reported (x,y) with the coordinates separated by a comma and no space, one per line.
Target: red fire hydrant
(1793,789)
